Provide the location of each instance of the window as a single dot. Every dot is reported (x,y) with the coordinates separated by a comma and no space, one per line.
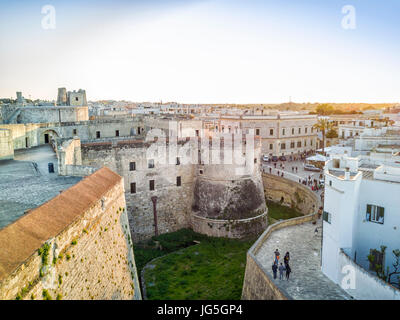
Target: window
(292,145)
(283,131)
(132,166)
(375,214)
(255,160)
(197,133)
(76,99)
(305,143)
(151,163)
(292,130)
(312,129)
(257,132)
(201,171)
(305,130)
(133,187)
(97,134)
(299,130)
(283,146)
(271,132)
(310,142)
(178,161)
(117,133)
(74,132)
(330,183)
(178,181)
(271,146)
(298,144)
(326,216)
(151,185)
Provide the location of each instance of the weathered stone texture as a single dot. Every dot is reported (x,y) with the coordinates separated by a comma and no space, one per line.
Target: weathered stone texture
(292,193)
(92,258)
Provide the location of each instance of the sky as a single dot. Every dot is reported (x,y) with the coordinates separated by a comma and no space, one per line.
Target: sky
(205,51)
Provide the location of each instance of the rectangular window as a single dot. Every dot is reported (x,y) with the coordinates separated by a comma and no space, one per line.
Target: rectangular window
(117,133)
(271,132)
(75,131)
(292,145)
(299,130)
(283,132)
(178,161)
(178,181)
(97,134)
(257,132)
(375,214)
(151,185)
(133,187)
(298,144)
(132,166)
(305,143)
(305,130)
(271,146)
(283,146)
(292,130)
(326,216)
(151,163)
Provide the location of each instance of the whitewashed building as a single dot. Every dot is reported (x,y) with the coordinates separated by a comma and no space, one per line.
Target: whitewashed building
(361,214)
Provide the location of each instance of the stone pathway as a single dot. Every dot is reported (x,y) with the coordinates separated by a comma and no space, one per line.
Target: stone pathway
(307,282)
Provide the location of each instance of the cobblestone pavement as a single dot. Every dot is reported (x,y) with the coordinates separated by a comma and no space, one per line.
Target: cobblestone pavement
(25,182)
(307,282)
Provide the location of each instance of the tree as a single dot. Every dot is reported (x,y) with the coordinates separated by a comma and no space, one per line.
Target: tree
(324,109)
(323,125)
(332,133)
(380,272)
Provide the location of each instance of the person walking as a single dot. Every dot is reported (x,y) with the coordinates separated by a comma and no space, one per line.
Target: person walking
(288,271)
(274,269)
(286,258)
(277,254)
(270,170)
(281,270)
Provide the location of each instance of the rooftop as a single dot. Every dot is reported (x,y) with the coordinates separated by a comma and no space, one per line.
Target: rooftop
(25,182)
(23,237)
(307,282)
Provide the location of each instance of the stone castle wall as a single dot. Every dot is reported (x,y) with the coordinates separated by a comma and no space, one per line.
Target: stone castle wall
(293,194)
(84,232)
(173,202)
(6,145)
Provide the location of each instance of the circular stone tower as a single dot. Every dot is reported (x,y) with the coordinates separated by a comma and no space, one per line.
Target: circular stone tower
(228,198)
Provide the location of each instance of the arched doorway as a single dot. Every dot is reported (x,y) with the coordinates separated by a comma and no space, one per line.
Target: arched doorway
(48,136)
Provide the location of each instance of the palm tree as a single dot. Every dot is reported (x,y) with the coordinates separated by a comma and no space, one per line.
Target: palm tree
(324,126)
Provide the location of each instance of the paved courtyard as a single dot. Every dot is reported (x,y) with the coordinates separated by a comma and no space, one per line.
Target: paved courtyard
(307,282)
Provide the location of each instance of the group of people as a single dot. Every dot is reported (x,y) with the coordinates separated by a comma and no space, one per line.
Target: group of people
(281,267)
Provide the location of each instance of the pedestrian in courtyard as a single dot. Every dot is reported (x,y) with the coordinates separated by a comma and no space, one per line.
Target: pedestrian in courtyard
(278,172)
(281,270)
(288,271)
(282,174)
(274,269)
(270,170)
(286,259)
(275,165)
(296,169)
(277,254)
(292,169)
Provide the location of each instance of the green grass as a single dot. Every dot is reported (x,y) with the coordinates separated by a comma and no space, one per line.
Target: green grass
(277,212)
(213,269)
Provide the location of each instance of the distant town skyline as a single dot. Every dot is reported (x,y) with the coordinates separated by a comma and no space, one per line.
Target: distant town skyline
(217,51)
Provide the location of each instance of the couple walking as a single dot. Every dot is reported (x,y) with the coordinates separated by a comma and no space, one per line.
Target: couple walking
(281,268)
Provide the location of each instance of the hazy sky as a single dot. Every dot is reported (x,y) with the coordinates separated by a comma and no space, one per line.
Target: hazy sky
(203,51)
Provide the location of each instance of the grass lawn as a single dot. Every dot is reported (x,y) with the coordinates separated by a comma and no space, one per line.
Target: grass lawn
(213,269)
(277,212)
